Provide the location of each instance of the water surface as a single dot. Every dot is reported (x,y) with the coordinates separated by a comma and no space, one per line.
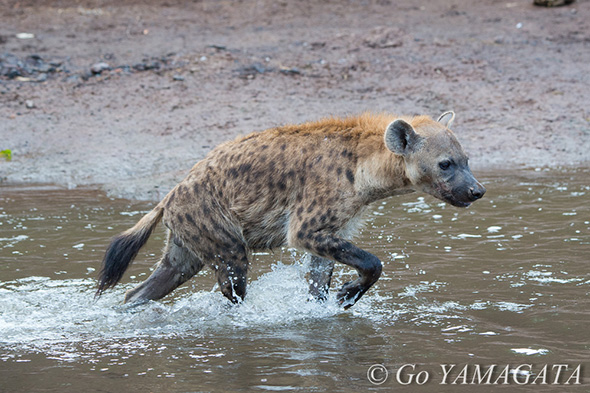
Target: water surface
(504,282)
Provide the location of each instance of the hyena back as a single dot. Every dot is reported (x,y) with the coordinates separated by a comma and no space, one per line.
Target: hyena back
(304,186)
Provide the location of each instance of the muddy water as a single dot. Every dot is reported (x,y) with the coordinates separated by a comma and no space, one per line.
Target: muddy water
(502,283)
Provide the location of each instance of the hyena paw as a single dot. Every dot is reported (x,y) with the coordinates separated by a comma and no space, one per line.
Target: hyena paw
(350,293)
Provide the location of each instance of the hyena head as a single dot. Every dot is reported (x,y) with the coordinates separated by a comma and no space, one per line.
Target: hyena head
(435,161)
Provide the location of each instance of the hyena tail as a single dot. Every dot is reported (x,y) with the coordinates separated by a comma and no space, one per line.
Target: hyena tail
(124,248)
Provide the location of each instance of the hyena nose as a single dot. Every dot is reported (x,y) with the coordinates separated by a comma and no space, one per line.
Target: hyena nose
(476,192)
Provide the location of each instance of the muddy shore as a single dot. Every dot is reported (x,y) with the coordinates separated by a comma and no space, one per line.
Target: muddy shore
(129,96)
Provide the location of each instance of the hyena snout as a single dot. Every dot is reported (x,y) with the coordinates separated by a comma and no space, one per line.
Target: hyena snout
(464,190)
(476,192)
(469,191)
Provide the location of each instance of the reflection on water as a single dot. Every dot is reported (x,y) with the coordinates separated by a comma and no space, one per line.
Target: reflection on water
(503,282)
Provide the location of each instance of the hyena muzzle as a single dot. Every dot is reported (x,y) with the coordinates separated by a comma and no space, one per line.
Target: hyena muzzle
(304,186)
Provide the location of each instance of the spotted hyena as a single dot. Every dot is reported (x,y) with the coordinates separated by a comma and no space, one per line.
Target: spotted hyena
(304,186)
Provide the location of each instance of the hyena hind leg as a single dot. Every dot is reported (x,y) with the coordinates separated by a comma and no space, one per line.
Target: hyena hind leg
(177,266)
(231,271)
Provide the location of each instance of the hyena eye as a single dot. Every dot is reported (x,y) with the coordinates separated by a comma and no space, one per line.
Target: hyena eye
(444,165)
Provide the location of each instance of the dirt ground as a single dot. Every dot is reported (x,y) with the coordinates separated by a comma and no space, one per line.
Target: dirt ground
(128,95)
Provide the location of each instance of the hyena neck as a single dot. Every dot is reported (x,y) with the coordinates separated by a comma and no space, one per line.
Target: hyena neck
(381,175)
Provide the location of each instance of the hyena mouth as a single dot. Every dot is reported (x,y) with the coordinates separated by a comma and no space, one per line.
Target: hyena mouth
(460,203)
(452,199)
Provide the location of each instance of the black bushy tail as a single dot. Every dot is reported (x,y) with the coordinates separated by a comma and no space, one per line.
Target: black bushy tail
(124,248)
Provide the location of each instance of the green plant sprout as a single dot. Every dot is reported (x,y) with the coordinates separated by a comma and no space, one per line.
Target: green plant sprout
(6,154)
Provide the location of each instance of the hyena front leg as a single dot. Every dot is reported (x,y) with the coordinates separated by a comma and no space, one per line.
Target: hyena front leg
(177,265)
(320,275)
(367,265)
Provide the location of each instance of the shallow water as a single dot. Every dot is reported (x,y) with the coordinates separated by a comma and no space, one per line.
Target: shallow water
(502,283)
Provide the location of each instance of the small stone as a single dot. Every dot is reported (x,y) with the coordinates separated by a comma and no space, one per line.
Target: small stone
(25,36)
(29,104)
(100,67)
(290,71)
(178,77)
(383,37)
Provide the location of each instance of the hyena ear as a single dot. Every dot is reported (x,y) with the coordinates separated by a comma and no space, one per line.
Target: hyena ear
(401,138)
(446,119)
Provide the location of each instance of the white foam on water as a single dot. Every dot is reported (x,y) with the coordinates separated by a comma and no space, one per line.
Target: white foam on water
(490,333)
(546,277)
(465,236)
(501,305)
(530,351)
(11,241)
(511,306)
(423,287)
(39,311)
(419,206)
(134,213)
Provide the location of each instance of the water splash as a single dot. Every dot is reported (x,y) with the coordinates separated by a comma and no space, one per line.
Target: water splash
(38,311)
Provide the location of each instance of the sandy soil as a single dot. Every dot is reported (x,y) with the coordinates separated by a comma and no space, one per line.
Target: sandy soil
(180,78)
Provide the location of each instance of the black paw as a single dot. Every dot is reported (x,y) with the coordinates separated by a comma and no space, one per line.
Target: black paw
(350,293)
